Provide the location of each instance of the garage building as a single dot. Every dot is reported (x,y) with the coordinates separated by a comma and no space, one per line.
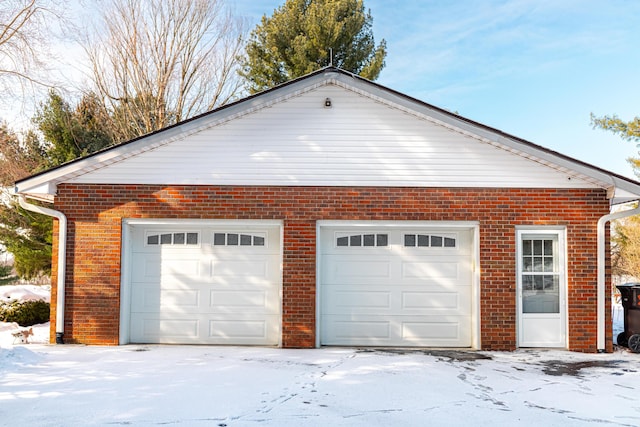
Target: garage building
(331,211)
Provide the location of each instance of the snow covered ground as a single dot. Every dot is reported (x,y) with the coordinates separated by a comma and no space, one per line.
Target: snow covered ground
(25,293)
(10,293)
(143,385)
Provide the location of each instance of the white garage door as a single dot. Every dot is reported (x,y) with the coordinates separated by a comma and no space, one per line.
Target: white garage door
(205,285)
(396,287)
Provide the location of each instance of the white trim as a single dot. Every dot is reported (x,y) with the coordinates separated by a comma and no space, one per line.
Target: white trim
(125,283)
(281,290)
(202,222)
(409,225)
(561,233)
(620,189)
(573,168)
(397,224)
(601,267)
(476,310)
(319,225)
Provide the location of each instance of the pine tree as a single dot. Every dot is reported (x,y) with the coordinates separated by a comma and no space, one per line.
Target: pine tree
(68,133)
(629,131)
(625,242)
(300,36)
(6,275)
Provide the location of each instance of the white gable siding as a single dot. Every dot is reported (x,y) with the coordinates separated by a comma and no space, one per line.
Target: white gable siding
(358,141)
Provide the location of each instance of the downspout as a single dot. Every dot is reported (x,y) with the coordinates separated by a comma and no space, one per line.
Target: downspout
(62,255)
(601,270)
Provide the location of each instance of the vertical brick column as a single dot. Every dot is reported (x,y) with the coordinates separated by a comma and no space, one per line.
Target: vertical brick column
(498,304)
(299,284)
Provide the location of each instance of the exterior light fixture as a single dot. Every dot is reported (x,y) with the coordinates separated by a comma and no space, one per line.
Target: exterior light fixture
(327,102)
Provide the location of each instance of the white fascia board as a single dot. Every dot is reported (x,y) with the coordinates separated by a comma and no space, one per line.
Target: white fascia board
(42,190)
(476,131)
(47,181)
(623,190)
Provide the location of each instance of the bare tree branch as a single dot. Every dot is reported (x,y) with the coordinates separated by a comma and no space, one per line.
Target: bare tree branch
(26,29)
(162,61)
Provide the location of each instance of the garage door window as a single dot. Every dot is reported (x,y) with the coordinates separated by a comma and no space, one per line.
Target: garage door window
(429,241)
(174,239)
(238,239)
(360,240)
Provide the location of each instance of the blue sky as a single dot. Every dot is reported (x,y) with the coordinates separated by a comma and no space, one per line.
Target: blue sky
(533,68)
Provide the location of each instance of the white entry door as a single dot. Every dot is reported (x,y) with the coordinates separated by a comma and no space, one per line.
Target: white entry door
(396,286)
(541,289)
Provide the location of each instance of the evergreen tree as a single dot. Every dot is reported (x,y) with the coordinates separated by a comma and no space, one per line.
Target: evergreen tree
(298,38)
(625,242)
(6,275)
(27,236)
(629,131)
(68,134)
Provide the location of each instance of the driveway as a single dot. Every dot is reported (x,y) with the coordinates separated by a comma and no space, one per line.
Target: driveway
(68,385)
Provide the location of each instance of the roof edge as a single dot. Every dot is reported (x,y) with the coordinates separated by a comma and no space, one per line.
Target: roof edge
(630,187)
(230,105)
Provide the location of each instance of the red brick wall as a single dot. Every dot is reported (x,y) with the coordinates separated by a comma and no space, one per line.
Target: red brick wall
(95,215)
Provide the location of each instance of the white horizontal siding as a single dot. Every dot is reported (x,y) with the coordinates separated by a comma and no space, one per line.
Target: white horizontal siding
(358,141)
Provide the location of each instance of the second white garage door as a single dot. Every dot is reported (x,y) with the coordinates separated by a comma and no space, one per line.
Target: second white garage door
(205,284)
(396,286)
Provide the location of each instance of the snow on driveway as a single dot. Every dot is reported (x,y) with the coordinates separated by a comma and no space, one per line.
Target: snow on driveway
(68,385)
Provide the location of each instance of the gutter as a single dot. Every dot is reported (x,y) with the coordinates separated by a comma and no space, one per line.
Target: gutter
(601,271)
(62,256)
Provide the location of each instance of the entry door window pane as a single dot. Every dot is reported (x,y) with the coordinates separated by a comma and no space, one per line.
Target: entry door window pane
(540,280)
